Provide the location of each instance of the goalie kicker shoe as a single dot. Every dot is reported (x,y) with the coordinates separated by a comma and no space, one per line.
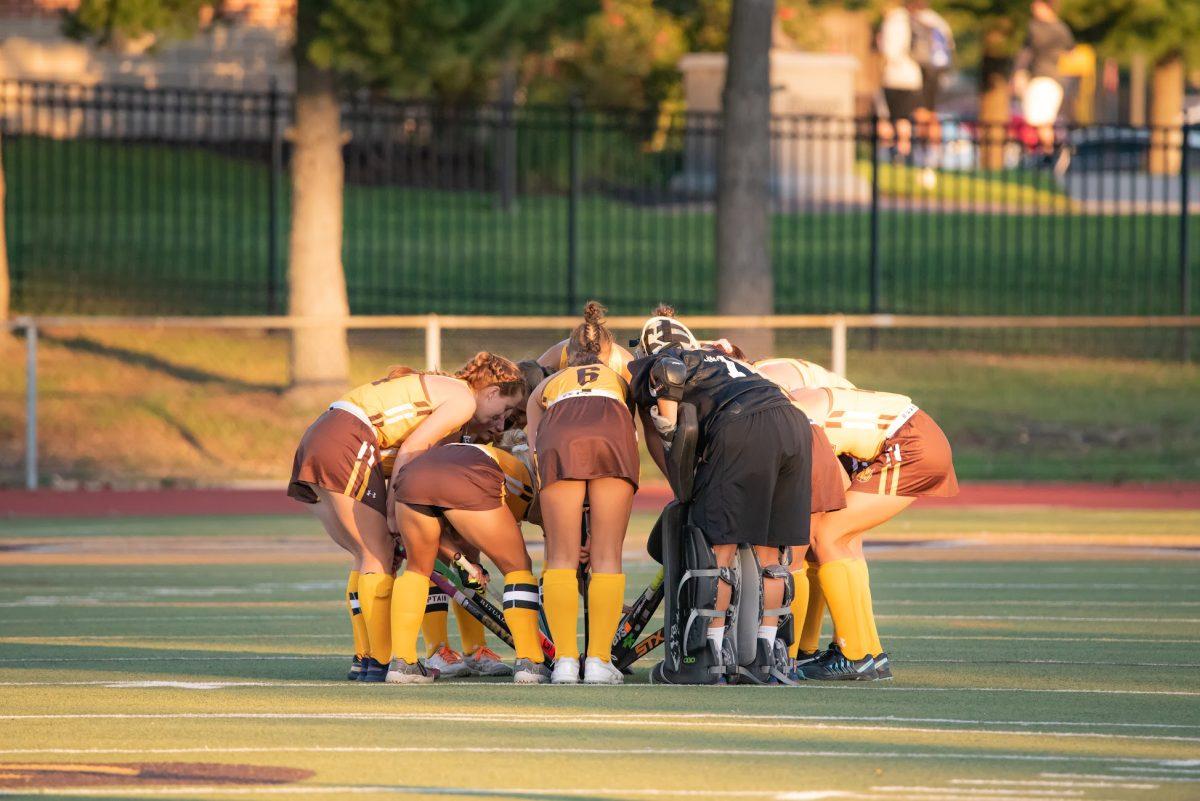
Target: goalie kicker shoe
(526,671)
(447,662)
(597,671)
(402,672)
(372,671)
(486,662)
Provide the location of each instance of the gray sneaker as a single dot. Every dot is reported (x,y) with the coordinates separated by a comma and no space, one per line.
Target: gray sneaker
(526,671)
(402,672)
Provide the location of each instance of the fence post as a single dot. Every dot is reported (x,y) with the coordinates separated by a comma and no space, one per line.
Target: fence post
(876,278)
(1185,276)
(31,395)
(838,336)
(573,206)
(433,342)
(276,132)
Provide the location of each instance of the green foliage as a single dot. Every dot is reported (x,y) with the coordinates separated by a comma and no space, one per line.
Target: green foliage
(1157,28)
(114,20)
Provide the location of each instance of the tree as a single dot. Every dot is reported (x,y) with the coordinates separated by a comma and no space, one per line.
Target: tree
(744,281)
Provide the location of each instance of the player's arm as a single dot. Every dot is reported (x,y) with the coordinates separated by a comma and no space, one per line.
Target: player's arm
(667,377)
(654,443)
(551,357)
(457,407)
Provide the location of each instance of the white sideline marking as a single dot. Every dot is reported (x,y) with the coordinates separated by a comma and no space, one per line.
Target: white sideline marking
(1004,638)
(1048,783)
(1045,617)
(955,585)
(323,789)
(429,749)
(168,618)
(973,602)
(1181,771)
(1046,662)
(981,791)
(647,716)
(566,688)
(630,721)
(1110,776)
(248,657)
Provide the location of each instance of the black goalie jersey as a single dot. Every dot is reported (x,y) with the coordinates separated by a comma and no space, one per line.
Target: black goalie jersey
(715,383)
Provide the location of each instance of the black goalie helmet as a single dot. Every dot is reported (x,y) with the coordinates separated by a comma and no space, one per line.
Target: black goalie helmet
(662,332)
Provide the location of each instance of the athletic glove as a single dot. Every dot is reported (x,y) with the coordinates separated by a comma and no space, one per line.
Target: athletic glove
(667,377)
(664,427)
(471,575)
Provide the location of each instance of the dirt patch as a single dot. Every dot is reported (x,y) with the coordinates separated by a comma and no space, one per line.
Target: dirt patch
(26,775)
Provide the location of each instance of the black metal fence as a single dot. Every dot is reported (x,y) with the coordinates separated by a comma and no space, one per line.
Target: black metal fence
(176,202)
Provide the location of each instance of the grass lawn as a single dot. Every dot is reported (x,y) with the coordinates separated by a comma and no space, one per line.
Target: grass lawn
(222,677)
(97,227)
(193,407)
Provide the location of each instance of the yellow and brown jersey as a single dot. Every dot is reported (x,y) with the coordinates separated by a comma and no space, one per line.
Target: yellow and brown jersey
(859,421)
(394,407)
(615,362)
(518,483)
(588,381)
(801,374)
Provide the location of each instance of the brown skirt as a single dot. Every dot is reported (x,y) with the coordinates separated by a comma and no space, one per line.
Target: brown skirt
(339,453)
(450,477)
(828,489)
(915,461)
(585,438)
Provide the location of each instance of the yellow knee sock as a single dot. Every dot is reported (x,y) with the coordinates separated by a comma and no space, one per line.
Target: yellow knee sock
(433,626)
(606,595)
(839,583)
(814,610)
(469,629)
(873,645)
(374,595)
(799,605)
(408,609)
(560,596)
(357,625)
(521,613)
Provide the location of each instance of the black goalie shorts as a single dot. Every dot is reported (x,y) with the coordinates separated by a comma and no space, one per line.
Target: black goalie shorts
(755,480)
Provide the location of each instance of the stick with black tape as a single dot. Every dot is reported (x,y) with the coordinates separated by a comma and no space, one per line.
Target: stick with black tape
(635,620)
(486,605)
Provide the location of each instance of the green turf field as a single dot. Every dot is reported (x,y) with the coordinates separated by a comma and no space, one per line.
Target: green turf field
(1062,678)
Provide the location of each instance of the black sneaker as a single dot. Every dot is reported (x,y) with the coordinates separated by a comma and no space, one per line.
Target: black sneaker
(372,671)
(836,667)
(355,669)
(883,667)
(806,657)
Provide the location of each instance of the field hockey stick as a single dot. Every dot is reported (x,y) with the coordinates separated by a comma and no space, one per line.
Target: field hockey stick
(489,608)
(641,649)
(477,610)
(584,573)
(632,624)
(463,566)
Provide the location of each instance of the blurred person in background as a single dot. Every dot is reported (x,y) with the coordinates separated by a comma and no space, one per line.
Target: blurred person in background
(1036,77)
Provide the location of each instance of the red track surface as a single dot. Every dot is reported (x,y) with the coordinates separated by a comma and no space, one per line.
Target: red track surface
(652,497)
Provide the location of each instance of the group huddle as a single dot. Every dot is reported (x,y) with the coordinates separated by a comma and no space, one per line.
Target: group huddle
(778,467)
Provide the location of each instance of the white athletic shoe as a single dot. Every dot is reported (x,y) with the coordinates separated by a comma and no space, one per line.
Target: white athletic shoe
(448,663)
(402,672)
(526,671)
(486,662)
(566,671)
(597,671)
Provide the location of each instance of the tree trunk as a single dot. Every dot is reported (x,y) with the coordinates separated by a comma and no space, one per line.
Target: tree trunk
(994,99)
(1166,115)
(4,288)
(316,281)
(744,281)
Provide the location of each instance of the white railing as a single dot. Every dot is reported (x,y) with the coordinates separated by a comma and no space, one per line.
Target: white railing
(434,325)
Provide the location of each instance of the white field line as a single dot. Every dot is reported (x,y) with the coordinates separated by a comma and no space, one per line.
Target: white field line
(652,717)
(970,585)
(1002,638)
(973,602)
(169,618)
(1048,783)
(1180,771)
(1155,620)
(1107,662)
(1110,776)
(475,792)
(939,791)
(626,721)
(628,688)
(541,751)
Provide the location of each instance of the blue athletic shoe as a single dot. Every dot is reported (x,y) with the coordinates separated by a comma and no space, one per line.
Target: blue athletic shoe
(355,669)
(372,672)
(836,667)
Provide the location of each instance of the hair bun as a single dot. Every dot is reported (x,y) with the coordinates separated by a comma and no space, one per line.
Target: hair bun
(664,310)
(594,312)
